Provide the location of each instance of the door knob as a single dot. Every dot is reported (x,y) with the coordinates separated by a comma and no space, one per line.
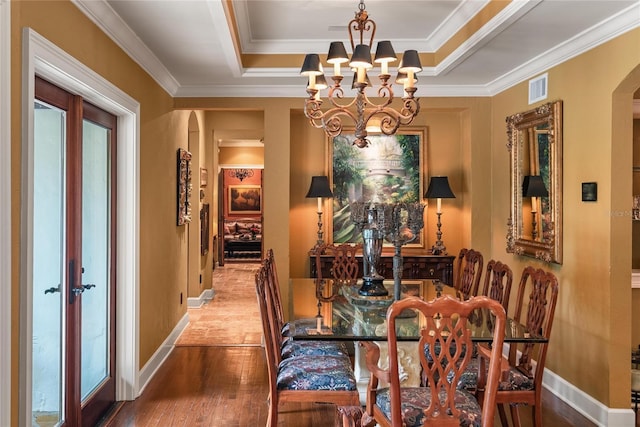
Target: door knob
(52,290)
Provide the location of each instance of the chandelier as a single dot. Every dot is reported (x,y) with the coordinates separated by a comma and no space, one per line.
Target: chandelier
(241,174)
(389,119)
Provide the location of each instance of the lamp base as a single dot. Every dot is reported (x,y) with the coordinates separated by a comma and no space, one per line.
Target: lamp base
(373,287)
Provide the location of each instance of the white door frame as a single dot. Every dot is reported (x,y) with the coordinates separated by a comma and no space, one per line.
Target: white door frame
(5,212)
(43,58)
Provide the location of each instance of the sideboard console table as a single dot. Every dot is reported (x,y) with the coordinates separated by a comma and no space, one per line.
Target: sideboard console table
(434,267)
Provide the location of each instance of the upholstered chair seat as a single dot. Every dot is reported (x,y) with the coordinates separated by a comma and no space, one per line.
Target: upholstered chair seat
(312,348)
(328,373)
(415,399)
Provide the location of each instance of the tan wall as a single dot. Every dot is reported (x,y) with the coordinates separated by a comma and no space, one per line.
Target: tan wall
(466,140)
(590,339)
(163,268)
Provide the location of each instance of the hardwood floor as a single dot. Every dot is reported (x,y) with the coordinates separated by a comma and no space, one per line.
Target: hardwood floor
(212,381)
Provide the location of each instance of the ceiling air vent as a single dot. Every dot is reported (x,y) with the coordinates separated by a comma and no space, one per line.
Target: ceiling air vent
(538,88)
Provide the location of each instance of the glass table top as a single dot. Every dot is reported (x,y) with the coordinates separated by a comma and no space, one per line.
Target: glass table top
(353,317)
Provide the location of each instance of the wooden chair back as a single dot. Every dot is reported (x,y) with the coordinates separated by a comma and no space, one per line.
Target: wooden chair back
(541,288)
(344,268)
(469,272)
(273,283)
(498,279)
(446,330)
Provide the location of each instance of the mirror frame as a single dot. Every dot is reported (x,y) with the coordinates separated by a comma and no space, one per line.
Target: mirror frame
(548,247)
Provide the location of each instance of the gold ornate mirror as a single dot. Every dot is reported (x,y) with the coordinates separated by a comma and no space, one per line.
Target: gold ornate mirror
(535,145)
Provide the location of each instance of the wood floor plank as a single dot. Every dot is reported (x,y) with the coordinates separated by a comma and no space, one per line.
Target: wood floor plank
(212,381)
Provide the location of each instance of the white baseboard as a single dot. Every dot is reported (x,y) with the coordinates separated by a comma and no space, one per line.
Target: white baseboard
(197,302)
(591,408)
(158,358)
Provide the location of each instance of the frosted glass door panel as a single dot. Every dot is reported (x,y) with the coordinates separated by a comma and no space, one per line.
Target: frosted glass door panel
(95,257)
(48,261)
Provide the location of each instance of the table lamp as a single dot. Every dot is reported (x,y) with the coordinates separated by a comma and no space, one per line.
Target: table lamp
(533,186)
(439,189)
(319,188)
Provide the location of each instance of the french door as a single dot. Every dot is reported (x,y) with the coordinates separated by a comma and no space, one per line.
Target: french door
(73,342)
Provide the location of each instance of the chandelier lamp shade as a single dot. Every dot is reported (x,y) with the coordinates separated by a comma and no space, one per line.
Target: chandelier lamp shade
(319,189)
(361,109)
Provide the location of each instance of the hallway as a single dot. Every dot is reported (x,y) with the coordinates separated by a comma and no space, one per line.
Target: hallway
(217,376)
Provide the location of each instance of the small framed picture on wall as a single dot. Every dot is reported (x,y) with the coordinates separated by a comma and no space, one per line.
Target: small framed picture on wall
(245,199)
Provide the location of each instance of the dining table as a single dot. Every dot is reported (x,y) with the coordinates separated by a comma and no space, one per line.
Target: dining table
(324,310)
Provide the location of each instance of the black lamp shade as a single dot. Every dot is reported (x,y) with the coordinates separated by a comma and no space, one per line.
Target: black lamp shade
(311,65)
(385,52)
(439,188)
(337,53)
(361,57)
(321,82)
(402,77)
(319,187)
(533,186)
(410,62)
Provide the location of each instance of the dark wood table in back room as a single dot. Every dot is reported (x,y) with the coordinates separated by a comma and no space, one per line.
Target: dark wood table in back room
(242,245)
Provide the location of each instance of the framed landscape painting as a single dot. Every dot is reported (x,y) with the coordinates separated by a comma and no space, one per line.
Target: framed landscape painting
(389,170)
(245,199)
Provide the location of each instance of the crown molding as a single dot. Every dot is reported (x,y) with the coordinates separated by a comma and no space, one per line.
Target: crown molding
(113,26)
(626,20)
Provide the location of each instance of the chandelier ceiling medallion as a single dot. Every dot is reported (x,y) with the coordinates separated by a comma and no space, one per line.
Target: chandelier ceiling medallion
(331,119)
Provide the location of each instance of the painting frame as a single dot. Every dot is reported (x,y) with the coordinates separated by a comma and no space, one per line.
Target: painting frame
(400,161)
(239,204)
(184,172)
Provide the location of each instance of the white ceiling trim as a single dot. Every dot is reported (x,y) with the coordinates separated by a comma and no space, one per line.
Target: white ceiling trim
(449,27)
(454,22)
(298,91)
(624,21)
(480,38)
(224,32)
(112,25)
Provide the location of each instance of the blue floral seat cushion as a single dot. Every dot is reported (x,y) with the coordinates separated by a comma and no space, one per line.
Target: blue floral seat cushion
(513,381)
(292,348)
(316,373)
(416,399)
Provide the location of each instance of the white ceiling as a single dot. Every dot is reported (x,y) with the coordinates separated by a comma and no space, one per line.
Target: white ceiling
(190,49)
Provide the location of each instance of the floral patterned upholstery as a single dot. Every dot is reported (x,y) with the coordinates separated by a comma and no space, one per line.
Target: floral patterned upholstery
(516,380)
(292,348)
(316,373)
(415,399)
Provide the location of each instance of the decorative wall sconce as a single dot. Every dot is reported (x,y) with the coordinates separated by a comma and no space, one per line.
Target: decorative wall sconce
(241,174)
(533,187)
(439,189)
(319,188)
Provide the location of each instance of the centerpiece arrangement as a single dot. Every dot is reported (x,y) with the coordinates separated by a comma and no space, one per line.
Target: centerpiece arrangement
(398,223)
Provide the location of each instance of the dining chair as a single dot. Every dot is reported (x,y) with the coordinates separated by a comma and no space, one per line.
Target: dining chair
(468,273)
(522,384)
(320,379)
(440,403)
(289,348)
(498,279)
(497,286)
(344,268)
